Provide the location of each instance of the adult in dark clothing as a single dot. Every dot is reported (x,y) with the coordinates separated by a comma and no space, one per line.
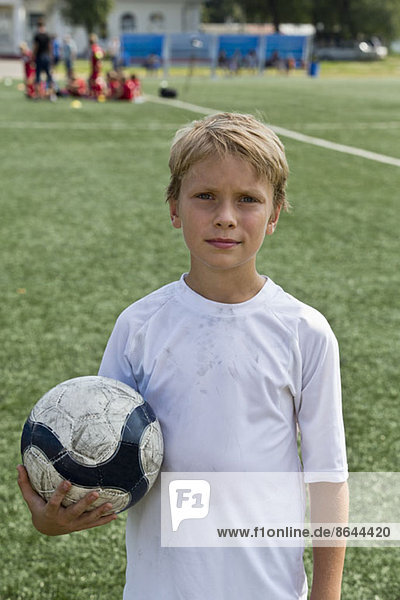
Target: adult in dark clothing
(42,54)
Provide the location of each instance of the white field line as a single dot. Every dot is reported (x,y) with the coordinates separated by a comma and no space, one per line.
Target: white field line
(289,133)
(185,105)
(308,139)
(342,125)
(294,135)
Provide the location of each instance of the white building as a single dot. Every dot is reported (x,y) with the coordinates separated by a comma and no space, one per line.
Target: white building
(18,20)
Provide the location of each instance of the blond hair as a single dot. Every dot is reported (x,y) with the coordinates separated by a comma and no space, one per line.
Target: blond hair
(234,134)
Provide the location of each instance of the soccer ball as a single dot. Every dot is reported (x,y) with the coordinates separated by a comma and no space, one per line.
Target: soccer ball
(97,433)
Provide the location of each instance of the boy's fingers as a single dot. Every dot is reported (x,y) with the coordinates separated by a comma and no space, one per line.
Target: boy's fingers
(99,513)
(91,518)
(101,521)
(27,492)
(87,519)
(22,475)
(97,517)
(54,503)
(80,507)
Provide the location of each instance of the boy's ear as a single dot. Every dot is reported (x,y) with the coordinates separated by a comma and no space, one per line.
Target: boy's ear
(173,211)
(273,221)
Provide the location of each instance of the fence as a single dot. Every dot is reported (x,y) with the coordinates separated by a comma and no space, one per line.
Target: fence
(256,51)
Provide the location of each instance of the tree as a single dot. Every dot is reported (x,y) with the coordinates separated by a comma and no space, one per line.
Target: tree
(92,14)
(381,19)
(222,11)
(357,18)
(345,19)
(256,11)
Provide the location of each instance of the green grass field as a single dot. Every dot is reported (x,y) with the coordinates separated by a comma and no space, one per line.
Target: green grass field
(85,232)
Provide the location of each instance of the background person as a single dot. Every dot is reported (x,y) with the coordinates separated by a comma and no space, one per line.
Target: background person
(114,52)
(113,85)
(77,86)
(96,58)
(42,55)
(56,50)
(69,52)
(137,86)
(29,69)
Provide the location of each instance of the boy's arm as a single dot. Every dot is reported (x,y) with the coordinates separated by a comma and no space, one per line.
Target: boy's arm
(51,518)
(329,504)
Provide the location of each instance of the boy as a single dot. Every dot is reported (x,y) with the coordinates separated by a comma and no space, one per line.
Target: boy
(231,365)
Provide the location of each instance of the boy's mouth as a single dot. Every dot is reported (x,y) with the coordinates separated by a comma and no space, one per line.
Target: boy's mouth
(223,243)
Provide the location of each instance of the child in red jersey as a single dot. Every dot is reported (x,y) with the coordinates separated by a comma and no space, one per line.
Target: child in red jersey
(137,86)
(130,88)
(77,87)
(113,85)
(29,69)
(96,56)
(127,89)
(98,89)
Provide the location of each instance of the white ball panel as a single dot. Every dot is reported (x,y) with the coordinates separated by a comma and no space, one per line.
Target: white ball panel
(47,403)
(42,475)
(93,442)
(151,451)
(81,402)
(124,390)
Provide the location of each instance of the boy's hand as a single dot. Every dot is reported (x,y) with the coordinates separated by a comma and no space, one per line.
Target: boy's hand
(51,518)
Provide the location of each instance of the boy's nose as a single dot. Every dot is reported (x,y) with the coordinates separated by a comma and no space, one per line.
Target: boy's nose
(225,218)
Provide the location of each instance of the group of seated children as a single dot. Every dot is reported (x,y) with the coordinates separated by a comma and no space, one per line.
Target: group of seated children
(121,87)
(118,86)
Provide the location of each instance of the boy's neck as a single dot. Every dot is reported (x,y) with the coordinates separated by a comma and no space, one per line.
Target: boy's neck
(226,288)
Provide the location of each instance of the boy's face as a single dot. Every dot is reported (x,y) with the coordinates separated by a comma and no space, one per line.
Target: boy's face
(225,211)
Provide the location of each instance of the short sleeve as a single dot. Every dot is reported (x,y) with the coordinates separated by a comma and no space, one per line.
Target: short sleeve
(115,363)
(320,413)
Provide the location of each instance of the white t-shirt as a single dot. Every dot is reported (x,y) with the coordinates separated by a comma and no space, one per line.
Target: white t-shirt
(228,383)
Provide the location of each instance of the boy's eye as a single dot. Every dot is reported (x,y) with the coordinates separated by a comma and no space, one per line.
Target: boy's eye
(248,199)
(204,196)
